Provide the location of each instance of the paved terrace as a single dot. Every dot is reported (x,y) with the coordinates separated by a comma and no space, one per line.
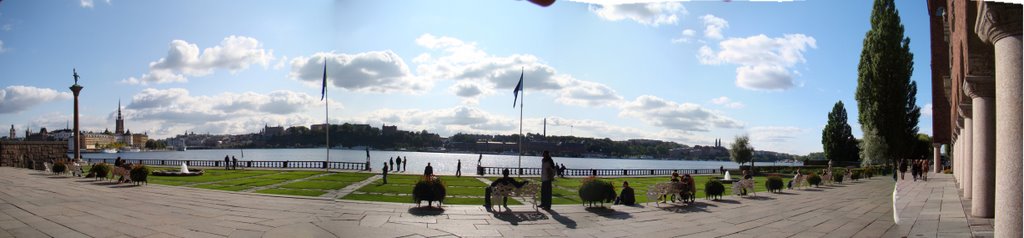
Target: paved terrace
(33,204)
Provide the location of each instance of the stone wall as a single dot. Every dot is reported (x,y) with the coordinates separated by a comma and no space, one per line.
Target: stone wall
(31,154)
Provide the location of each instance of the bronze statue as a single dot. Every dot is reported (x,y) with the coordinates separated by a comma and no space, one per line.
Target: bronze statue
(75,75)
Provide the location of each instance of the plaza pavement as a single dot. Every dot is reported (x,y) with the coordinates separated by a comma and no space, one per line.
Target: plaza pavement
(33,204)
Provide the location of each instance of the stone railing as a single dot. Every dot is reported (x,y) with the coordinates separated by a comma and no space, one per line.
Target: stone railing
(599,172)
(337,165)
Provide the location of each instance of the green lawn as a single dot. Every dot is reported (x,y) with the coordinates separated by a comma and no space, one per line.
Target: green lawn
(565,190)
(297,192)
(463,190)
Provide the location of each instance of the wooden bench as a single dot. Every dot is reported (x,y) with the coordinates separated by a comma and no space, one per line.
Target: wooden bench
(48,167)
(799,181)
(527,193)
(75,168)
(657,191)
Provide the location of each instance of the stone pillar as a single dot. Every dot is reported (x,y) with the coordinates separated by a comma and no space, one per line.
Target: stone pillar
(937,157)
(982,91)
(965,138)
(76,89)
(1000,25)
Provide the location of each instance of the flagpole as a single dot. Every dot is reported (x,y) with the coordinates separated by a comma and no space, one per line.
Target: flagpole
(327,120)
(521,128)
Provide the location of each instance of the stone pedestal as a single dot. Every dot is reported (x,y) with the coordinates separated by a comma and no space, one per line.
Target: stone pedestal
(936,157)
(1000,25)
(982,92)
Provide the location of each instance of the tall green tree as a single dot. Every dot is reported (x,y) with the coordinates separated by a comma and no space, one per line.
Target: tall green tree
(741,152)
(886,101)
(837,138)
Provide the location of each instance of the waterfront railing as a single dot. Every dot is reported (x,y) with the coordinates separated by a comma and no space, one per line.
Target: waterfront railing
(335,165)
(598,172)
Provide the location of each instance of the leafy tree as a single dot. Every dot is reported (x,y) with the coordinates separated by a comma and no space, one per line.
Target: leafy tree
(923,147)
(885,95)
(740,151)
(837,137)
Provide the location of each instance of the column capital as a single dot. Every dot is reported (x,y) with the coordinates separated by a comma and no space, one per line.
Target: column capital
(965,112)
(976,86)
(997,21)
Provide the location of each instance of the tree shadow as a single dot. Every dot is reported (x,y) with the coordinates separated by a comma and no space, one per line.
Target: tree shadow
(426,211)
(569,223)
(58,177)
(784,193)
(759,198)
(608,213)
(689,207)
(124,185)
(729,201)
(514,218)
(813,189)
(41,173)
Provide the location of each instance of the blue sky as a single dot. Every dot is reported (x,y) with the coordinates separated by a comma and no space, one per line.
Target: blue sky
(688,72)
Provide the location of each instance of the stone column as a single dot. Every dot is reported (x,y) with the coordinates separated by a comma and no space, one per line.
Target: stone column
(937,157)
(965,138)
(1000,25)
(76,89)
(982,91)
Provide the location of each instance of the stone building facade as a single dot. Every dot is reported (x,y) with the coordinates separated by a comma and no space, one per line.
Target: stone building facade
(31,154)
(977,92)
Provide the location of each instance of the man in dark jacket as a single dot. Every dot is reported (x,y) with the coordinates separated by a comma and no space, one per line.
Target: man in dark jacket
(626,197)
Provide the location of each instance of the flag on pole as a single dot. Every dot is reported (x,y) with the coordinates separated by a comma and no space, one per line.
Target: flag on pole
(515,92)
(323,88)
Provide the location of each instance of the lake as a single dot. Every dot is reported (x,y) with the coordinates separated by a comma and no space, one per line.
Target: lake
(443,163)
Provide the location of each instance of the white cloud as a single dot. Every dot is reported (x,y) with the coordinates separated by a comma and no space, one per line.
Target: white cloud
(678,116)
(183,59)
(373,71)
(2,49)
(85,3)
(171,111)
(464,61)
(651,14)
(470,91)
(685,37)
(764,63)
(926,110)
(17,98)
(8,27)
(713,26)
(775,138)
(726,102)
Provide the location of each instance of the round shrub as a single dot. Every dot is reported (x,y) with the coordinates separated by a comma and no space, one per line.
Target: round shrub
(139,173)
(59,167)
(100,170)
(596,190)
(714,189)
(837,177)
(774,184)
(814,179)
(855,175)
(429,189)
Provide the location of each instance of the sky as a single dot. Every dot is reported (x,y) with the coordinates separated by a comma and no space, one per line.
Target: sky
(688,72)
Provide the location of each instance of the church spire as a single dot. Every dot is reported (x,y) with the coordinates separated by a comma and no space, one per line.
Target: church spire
(119,121)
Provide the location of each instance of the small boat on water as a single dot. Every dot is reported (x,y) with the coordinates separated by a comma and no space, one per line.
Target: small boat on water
(110,151)
(183,148)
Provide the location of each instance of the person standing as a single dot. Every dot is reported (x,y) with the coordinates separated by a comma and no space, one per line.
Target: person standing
(234,162)
(721,170)
(398,163)
(547,176)
(391,162)
(406,164)
(384,172)
(458,169)
(428,171)
(227,161)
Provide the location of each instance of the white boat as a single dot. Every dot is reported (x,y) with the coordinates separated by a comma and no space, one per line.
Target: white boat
(183,148)
(110,151)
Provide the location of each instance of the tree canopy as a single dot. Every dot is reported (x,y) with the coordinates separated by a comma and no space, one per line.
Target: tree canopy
(740,151)
(837,138)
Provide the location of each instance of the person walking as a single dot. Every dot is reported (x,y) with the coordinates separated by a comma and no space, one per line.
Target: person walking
(384,173)
(458,169)
(227,161)
(915,169)
(391,162)
(547,177)
(903,169)
(406,164)
(398,163)
(234,162)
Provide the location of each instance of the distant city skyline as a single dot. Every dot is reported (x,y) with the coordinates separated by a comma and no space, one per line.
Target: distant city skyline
(688,72)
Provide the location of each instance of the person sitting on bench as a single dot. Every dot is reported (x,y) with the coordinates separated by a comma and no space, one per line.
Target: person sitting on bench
(504,180)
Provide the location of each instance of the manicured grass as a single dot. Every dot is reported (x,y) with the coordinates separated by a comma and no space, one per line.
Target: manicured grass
(565,190)
(345,177)
(222,187)
(210,175)
(399,189)
(316,184)
(291,175)
(296,192)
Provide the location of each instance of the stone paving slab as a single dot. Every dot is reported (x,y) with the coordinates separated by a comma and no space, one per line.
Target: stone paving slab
(37,205)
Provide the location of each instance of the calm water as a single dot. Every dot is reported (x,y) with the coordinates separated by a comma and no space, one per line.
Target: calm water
(443,163)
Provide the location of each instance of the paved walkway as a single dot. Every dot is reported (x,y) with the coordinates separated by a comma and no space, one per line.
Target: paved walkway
(33,204)
(931,208)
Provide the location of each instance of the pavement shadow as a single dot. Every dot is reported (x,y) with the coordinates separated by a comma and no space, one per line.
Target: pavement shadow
(759,198)
(607,212)
(568,222)
(814,189)
(689,207)
(729,201)
(58,177)
(124,185)
(426,211)
(514,218)
(40,174)
(785,193)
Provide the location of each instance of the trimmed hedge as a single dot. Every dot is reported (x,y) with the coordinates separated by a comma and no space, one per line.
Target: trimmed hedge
(430,190)
(837,177)
(101,170)
(713,189)
(59,167)
(596,190)
(774,184)
(814,179)
(139,174)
